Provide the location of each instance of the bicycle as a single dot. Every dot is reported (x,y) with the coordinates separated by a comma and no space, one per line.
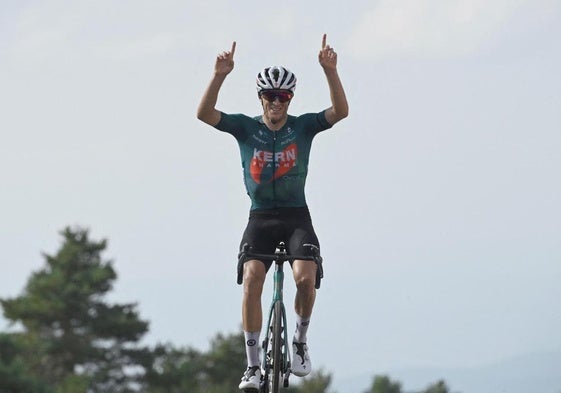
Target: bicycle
(276,360)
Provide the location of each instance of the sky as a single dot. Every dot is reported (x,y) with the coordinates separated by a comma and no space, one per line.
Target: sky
(437,201)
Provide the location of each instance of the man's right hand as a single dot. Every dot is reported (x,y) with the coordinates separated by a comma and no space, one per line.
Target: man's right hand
(225,61)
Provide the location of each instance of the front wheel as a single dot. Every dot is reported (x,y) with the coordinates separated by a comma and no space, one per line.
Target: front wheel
(277,344)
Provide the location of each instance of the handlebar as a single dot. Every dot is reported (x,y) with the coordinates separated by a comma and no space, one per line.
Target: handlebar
(280,256)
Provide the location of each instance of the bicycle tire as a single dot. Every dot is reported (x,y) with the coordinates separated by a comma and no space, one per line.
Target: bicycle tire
(276,377)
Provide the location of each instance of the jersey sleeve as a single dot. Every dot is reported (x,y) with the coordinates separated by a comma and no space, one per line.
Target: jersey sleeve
(234,124)
(315,122)
(322,121)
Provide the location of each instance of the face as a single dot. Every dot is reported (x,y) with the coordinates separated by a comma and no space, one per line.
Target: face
(273,106)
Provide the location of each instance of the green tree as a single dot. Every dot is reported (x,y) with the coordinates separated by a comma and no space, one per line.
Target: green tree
(318,382)
(188,370)
(225,361)
(383,384)
(71,336)
(172,370)
(14,376)
(438,387)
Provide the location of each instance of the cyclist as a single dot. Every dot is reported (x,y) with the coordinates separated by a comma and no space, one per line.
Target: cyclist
(275,150)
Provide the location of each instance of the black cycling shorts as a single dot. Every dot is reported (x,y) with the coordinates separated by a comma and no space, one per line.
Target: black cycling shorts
(293,226)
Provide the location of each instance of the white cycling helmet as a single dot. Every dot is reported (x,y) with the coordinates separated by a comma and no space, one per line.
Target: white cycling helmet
(276,77)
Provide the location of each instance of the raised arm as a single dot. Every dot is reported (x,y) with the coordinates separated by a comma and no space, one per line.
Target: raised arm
(339,107)
(207,111)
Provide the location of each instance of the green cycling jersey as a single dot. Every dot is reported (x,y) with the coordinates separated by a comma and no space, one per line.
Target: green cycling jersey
(275,163)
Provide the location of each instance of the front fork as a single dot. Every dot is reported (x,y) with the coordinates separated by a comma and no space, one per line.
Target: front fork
(278,279)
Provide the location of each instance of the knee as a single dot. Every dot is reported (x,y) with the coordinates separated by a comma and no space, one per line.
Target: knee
(304,275)
(305,283)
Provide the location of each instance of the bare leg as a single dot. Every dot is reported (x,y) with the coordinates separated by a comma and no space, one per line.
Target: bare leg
(253,276)
(305,277)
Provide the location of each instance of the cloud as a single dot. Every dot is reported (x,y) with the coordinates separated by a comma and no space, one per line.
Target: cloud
(429,28)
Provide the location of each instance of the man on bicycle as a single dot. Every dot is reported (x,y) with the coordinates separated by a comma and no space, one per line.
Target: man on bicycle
(275,150)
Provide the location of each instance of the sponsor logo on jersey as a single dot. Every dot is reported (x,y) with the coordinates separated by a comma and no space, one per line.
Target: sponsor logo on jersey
(283,161)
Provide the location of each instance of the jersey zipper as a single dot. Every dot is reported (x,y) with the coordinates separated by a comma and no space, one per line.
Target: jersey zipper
(274,167)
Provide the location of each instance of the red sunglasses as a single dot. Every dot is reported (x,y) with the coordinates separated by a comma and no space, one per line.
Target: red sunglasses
(282,95)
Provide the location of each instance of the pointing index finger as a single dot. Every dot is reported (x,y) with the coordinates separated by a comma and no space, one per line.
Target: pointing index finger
(324,41)
(233,50)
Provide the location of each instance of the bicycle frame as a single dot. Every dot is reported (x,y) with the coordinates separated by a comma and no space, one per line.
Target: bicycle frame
(278,281)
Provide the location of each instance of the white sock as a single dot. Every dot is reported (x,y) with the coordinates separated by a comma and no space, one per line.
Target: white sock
(301,329)
(252,348)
